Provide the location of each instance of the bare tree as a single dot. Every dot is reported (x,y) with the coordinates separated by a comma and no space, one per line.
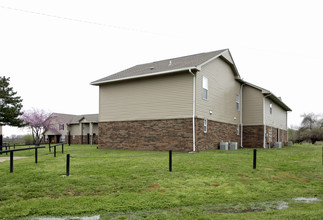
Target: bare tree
(311,128)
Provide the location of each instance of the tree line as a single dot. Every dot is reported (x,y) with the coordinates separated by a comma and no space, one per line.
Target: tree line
(311,129)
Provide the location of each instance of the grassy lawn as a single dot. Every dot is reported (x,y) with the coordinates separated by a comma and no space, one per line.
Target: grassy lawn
(124,184)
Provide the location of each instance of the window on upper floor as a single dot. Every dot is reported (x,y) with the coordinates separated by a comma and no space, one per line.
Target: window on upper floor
(61,127)
(238,102)
(271,108)
(205,126)
(205,88)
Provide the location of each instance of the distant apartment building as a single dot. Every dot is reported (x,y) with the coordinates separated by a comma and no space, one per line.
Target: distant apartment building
(74,129)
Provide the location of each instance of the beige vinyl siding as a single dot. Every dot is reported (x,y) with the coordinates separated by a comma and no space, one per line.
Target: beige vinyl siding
(95,128)
(159,97)
(222,91)
(86,128)
(278,118)
(55,124)
(75,129)
(252,106)
(227,55)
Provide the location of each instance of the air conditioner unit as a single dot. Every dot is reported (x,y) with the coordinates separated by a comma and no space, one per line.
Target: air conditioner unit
(224,145)
(278,145)
(233,146)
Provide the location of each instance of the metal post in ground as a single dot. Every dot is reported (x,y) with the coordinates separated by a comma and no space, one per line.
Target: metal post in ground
(254,158)
(170,161)
(36,155)
(11,162)
(62,148)
(54,151)
(67,164)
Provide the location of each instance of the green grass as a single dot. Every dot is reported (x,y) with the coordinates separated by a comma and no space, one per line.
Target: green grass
(124,184)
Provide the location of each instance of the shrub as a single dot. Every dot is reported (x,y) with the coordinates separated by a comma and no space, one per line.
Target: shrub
(28,139)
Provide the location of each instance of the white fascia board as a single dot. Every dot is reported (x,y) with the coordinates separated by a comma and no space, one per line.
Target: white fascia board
(145,75)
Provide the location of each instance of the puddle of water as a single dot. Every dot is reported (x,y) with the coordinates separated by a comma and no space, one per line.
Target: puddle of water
(282,205)
(306,200)
(219,208)
(95,217)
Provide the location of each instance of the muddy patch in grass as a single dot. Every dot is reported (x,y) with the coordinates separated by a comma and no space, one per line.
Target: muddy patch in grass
(234,208)
(3,159)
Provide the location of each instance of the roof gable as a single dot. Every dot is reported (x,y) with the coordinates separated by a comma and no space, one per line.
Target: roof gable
(269,94)
(75,119)
(167,66)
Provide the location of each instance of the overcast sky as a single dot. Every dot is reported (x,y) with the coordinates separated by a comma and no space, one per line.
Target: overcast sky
(52,50)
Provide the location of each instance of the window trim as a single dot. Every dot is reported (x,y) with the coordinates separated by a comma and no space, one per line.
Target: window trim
(205,125)
(238,102)
(271,108)
(205,87)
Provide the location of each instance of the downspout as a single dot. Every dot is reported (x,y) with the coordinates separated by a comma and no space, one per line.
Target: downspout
(287,127)
(241,123)
(193,118)
(265,119)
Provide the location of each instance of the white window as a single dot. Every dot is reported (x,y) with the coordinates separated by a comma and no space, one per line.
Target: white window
(205,88)
(205,126)
(271,108)
(63,138)
(238,102)
(238,130)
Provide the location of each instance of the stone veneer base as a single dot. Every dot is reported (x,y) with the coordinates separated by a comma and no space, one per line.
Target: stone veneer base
(253,136)
(172,134)
(168,134)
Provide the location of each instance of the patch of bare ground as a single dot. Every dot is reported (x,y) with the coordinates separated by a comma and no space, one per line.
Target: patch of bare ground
(3,159)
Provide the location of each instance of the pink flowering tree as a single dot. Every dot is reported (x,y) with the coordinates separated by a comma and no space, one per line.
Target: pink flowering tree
(39,122)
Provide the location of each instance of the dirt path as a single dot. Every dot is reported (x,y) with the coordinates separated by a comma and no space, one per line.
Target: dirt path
(2,159)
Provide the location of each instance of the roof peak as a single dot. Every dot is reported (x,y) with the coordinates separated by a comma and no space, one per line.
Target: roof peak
(164,66)
(183,57)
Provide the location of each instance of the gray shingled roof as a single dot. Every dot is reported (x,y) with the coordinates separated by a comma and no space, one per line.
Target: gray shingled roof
(163,66)
(74,119)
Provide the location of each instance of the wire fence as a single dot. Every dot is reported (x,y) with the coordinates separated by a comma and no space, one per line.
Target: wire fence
(251,154)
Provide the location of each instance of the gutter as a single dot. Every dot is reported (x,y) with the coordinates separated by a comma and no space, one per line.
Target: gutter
(193,118)
(264,106)
(98,82)
(241,115)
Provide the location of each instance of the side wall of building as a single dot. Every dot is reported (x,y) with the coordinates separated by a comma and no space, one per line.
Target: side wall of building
(222,93)
(258,118)
(252,106)
(161,97)
(220,108)
(277,117)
